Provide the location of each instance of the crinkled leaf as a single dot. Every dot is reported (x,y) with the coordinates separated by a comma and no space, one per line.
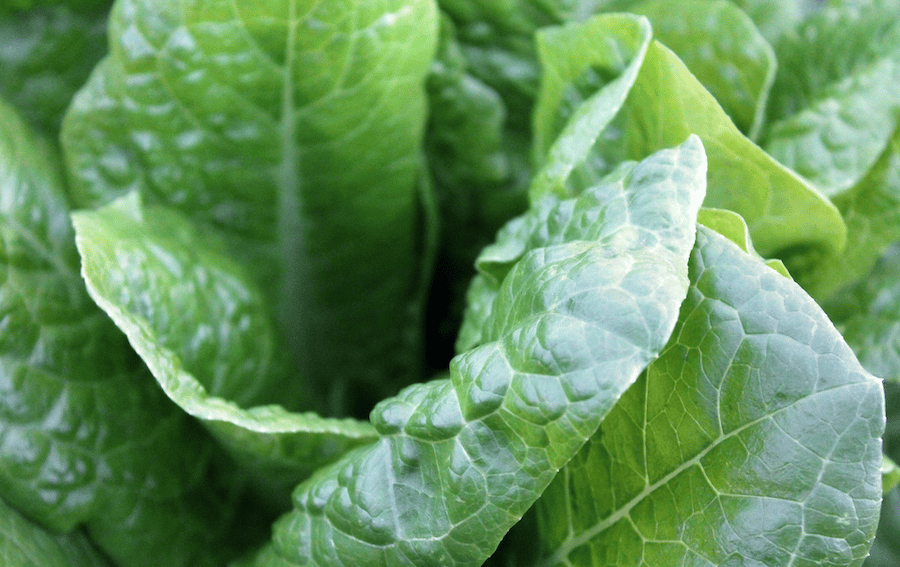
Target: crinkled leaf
(197,319)
(753,439)
(461,460)
(84,429)
(723,49)
(665,105)
(46,54)
(295,130)
(834,40)
(26,544)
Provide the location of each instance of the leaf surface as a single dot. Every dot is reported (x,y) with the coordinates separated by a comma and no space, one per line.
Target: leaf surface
(83,429)
(460,460)
(753,439)
(46,54)
(26,544)
(200,324)
(723,49)
(292,127)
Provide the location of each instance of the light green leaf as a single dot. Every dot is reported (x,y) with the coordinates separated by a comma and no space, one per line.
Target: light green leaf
(732,226)
(723,49)
(753,439)
(460,460)
(84,430)
(666,104)
(584,84)
(295,130)
(25,544)
(836,140)
(197,319)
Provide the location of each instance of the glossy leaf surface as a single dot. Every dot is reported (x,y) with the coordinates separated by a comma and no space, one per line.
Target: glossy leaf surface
(199,322)
(250,118)
(753,439)
(83,428)
(462,459)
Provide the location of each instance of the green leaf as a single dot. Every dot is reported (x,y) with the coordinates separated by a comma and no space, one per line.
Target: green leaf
(890,475)
(200,324)
(294,130)
(732,226)
(575,321)
(584,84)
(886,549)
(723,49)
(25,544)
(775,18)
(868,314)
(836,140)
(46,54)
(665,105)
(753,439)
(871,211)
(834,40)
(83,428)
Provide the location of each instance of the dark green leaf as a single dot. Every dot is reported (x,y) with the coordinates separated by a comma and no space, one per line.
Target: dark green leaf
(84,430)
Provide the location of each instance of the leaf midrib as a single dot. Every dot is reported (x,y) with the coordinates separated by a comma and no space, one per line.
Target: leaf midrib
(292,302)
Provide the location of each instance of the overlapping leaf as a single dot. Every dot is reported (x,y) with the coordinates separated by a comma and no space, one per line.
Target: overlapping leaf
(199,322)
(294,128)
(83,429)
(665,105)
(754,439)
(575,321)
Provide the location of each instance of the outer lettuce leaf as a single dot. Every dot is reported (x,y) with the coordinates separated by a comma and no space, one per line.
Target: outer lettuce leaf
(584,85)
(197,319)
(46,54)
(753,439)
(723,49)
(84,431)
(574,323)
(834,40)
(294,128)
(25,544)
